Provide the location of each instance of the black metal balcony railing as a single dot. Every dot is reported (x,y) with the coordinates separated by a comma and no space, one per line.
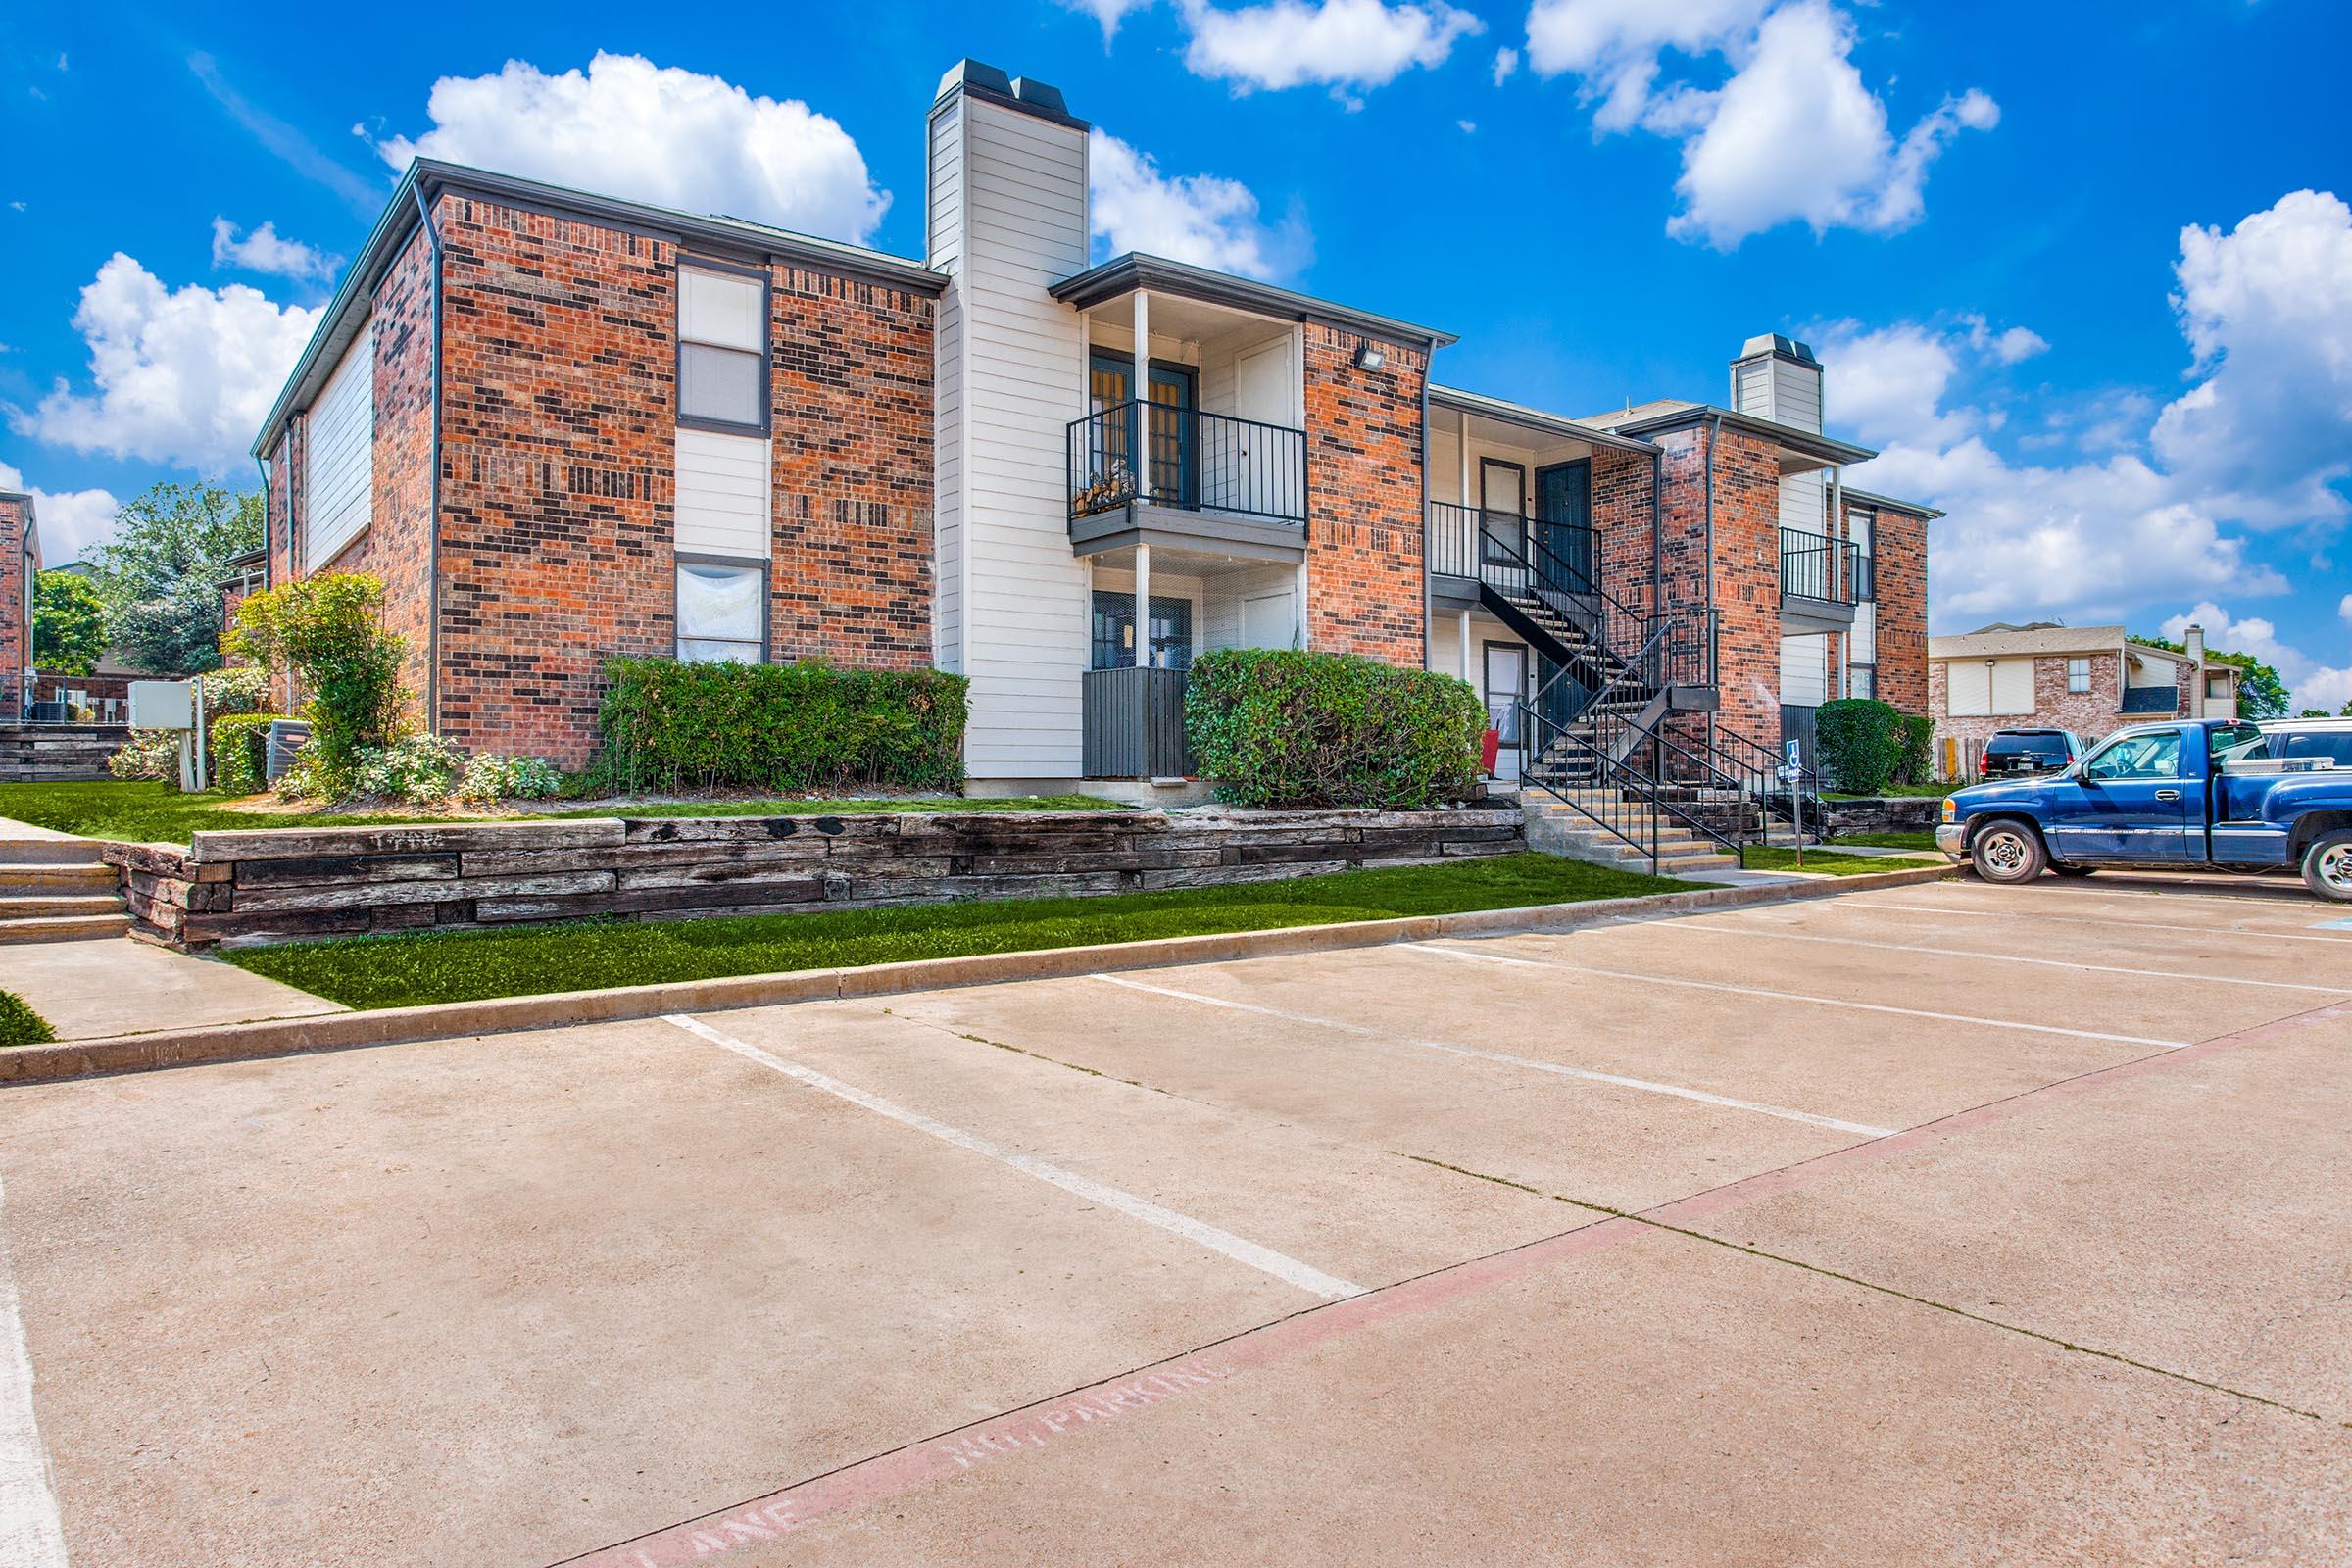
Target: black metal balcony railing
(1186,457)
(1480,542)
(1831,570)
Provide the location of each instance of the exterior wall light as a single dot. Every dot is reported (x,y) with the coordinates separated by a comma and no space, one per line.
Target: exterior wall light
(1369,356)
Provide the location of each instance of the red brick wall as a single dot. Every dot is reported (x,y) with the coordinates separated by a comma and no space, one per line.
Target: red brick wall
(1899,571)
(851,580)
(1623,523)
(1747,567)
(558,394)
(16,628)
(1364,533)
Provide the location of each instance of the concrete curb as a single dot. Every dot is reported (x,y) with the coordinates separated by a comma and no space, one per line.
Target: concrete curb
(338,1031)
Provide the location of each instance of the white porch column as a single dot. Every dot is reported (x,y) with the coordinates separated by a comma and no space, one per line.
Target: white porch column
(1466,675)
(1299,593)
(1141,390)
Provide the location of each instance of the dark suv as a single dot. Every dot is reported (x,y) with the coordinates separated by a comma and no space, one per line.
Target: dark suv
(2024,753)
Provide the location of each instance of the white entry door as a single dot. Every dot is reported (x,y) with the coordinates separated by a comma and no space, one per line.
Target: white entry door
(1270,620)
(1506,684)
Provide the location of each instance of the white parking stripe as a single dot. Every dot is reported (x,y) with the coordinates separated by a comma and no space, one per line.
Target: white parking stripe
(1796,996)
(31,1533)
(1264,1260)
(1833,1123)
(1715,925)
(2108,923)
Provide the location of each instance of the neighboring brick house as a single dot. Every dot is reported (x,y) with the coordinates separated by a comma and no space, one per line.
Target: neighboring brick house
(564,428)
(2088,679)
(20,564)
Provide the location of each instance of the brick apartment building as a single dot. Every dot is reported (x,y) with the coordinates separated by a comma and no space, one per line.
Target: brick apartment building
(2088,679)
(564,428)
(20,564)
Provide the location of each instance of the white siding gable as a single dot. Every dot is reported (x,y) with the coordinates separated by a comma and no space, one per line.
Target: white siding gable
(339,494)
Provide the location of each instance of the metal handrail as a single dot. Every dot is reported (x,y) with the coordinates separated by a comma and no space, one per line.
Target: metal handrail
(1816,566)
(1617,789)
(1189,459)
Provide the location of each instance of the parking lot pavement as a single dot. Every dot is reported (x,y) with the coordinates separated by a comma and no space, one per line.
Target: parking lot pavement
(1962,1237)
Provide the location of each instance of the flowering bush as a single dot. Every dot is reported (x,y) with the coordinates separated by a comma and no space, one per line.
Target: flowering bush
(489,776)
(419,768)
(148,754)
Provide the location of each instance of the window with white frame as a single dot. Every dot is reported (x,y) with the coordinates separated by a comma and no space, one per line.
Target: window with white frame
(2077,674)
(723,348)
(1861,680)
(723,612)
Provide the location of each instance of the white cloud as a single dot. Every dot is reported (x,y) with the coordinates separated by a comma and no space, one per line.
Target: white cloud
(2268,312)
(71,522)
(1109,13)
(1506,63)
(264,250)
(2345,610)
(630,127)
(1792,134)
(2011,347)
(1343,44)
(1889,383)
(183,377)
(1202,218)
(2309,683)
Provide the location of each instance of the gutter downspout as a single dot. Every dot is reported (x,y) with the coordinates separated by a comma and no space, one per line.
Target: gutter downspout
(1429,366)
(1657,535)
(1714,432)
(432,538)
(262,464)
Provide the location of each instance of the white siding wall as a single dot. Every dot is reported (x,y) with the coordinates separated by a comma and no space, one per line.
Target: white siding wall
(722,494)
(945,221)
(1804,670)
(339,456)
(1012,221)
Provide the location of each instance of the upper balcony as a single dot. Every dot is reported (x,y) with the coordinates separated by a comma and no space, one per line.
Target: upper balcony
(1227,480)
(1822,580)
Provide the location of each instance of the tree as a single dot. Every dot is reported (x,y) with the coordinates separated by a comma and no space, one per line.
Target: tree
(161,578)
(329,630)
(69,623)
(2261,694)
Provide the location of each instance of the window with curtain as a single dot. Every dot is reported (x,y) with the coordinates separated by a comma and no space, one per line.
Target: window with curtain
(722,349)
(723,612)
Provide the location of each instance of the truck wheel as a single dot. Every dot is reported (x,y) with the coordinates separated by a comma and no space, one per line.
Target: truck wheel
(2328,865)
(2070,870)
(2008,851)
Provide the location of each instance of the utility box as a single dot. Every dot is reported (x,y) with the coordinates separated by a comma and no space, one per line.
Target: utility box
(287,738)
(162,705)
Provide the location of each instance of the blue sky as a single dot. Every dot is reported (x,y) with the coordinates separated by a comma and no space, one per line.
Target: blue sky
(2082,272)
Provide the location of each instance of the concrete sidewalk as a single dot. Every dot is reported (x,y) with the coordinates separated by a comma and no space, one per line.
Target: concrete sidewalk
(98,986)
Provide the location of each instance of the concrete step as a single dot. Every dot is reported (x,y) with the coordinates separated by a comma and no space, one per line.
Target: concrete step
(63,927)
(46,852)
(1669,865)
(58,874)
(44,906)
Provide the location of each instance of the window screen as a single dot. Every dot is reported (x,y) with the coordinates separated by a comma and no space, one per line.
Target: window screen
(722,613)
(723,348)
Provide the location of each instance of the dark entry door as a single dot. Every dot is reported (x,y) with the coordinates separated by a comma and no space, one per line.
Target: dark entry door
(1170,467)
(1564,517)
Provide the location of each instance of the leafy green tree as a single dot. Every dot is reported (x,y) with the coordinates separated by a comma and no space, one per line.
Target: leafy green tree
(69,623)
(329,630)
(161,578)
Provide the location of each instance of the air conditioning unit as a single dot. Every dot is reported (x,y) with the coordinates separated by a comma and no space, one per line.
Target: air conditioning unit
(287,738)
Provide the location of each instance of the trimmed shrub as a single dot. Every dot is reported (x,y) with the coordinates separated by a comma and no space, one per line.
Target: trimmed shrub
(1918,763)
(239,689)
(149,754)
(330,631)
(488,777)
(669,725)
(239,751)
(1859,741)
(418,769)
(1279,727)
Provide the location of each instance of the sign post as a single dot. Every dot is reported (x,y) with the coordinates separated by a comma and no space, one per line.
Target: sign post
(1796,770)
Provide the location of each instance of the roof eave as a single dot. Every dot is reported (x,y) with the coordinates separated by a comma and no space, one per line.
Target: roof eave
(1805,443)
(1122,275)
(1509,412)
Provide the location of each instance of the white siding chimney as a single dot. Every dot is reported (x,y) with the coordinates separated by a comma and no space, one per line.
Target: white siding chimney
(1008,218)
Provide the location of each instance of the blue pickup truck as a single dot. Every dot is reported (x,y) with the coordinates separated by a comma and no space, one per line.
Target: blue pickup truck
(2218,794)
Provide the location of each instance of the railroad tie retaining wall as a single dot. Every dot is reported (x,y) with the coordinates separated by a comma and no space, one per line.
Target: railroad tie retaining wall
(275,885)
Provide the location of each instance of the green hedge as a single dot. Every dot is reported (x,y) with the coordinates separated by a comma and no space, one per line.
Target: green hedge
(1859,742)
(1918,747)
(669,726)
(238,749)
(1275,727)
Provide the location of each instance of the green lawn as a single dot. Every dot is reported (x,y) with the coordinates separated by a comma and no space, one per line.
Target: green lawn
(393,971)
(20,1025)
(1828,863)
(157,814)
(1924,841)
